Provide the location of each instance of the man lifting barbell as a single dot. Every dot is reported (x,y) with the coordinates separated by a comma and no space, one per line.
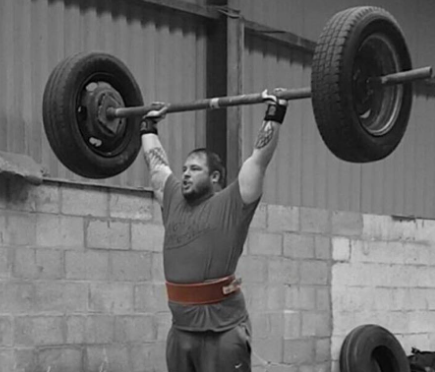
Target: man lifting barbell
(205,232)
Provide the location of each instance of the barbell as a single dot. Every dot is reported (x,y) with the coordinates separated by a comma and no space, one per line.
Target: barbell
(360,91)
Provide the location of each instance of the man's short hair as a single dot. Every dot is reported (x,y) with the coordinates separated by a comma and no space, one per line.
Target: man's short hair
(214,163)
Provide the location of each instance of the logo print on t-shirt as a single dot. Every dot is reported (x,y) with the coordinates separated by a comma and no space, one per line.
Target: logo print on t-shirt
(189,227)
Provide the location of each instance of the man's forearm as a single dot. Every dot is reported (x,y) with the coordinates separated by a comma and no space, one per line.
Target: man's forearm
(155,155)
(266,143)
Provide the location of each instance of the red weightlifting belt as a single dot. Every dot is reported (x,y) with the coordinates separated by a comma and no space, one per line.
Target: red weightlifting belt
(209,292)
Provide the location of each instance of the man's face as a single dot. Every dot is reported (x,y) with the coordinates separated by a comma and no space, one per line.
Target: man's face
(197,181)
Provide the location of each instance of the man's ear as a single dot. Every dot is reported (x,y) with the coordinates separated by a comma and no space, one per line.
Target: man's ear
(215,177)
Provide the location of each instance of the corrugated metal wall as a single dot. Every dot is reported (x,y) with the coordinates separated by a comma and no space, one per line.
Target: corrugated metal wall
(165,52)
(304,172)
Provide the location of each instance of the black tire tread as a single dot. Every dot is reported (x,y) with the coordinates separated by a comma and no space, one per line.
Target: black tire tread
(60,129)
(328,107)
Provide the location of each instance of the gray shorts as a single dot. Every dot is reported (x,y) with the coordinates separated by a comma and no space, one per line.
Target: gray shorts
(228,351)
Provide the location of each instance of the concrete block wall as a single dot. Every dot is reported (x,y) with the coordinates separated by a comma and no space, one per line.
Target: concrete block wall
(384,273)
(81,281)
(82,286)
(286,270)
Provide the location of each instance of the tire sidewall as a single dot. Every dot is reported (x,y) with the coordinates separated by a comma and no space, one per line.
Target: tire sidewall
(374,22)
(70,145)
(357,352)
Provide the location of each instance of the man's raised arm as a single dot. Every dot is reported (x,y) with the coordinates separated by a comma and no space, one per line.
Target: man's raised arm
(155,155)
(251,175)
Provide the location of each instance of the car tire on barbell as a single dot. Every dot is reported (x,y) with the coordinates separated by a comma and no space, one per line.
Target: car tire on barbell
(371,347)
(66,133)
(358,124)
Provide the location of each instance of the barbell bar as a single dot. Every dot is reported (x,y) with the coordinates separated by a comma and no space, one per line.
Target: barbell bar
(255,98)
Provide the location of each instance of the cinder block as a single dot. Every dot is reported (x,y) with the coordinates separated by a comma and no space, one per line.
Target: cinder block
(107,234)
(268,349)
(259,221)
(299,246)
(416,253)
(425,231)
(147,237)
(323,366)
(347,224)
(341,249)
(25,197)
(421,322)
(292,325)
(7,360)
(276,296)
(130,266)
(140,357)
(281,218)
(46,198)
(38,264)
(100,329)
(87,265)
(323,325)
(16,297)
(19,195)
(255,295)
(84,201)
(60,231)
(65,359)
(25,359)
(314,220)
(377,252)
(75,329)
(150,298)
(5,264)
(278,368)
(107,358)
(299,351)
(386,228)
(322,247)
(42,330)
(336,344)
(309,324)
(5,331)
(162,324)
(111,298)
(252,269)
(314,272)
(131,206)
(19,229)
(261,324)
(138,328)
(282,270)
(157,358)
(323,298)
(60,297)
(261,243)
(301,298)
(308,368)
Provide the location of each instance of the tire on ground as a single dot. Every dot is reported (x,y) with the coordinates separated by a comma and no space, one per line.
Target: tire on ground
(372,348)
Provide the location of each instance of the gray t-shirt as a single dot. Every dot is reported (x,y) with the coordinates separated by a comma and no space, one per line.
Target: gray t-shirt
(204,241)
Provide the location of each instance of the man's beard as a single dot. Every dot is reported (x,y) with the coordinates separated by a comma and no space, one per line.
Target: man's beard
(202,191)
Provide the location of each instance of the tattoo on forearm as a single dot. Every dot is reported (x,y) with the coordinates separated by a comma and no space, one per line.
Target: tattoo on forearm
(264,136)
(156,157)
